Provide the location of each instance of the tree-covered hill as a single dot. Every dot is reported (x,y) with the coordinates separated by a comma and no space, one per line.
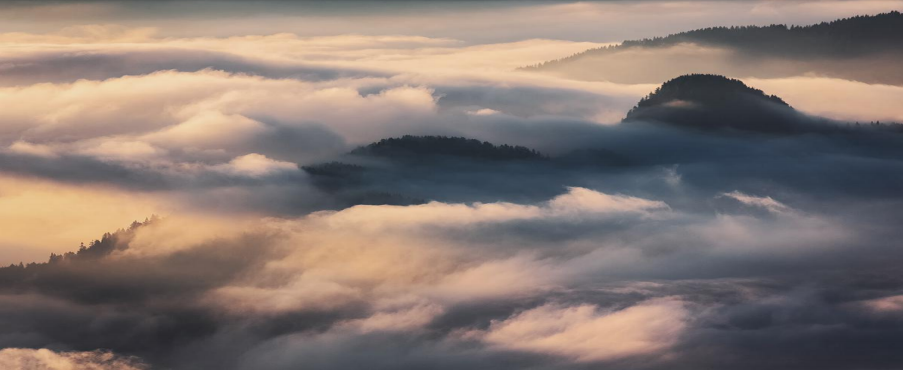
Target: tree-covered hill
(704,88)
(706,101)
(414,147)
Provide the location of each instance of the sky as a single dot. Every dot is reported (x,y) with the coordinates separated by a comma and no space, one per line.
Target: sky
(708,251)
(477,22)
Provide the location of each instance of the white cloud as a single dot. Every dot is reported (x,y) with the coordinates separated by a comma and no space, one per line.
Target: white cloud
(45,359)
(38,150)
(255,165)
(483,112)
(401,314)
(585,201)
(120,150)
(837,98)
(586,333)
(766,203)
(367,253)
(892,304)
(577,203)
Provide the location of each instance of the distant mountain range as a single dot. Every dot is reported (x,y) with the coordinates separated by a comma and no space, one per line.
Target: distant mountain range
(863,48)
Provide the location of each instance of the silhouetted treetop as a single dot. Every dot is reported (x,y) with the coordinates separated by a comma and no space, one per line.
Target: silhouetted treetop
(107,244)
(418,146)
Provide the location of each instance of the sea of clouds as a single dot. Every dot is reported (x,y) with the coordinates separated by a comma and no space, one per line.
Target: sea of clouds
(707,251)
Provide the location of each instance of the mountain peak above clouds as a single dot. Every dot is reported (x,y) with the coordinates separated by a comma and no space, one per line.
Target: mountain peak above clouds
(714,102)
(704,89)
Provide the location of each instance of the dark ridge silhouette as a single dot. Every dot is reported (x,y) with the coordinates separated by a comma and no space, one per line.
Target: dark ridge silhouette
(333,169)
(333,176)
(346,183)
(379,198)
(97,249)
(895,127)
(594,157)
(418,147)
(407,160)
(711,102)
(855,36)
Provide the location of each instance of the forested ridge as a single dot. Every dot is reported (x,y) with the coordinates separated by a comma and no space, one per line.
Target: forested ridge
(418,146)
(854,36)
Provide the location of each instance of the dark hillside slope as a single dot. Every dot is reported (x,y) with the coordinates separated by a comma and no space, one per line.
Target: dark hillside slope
(712,102)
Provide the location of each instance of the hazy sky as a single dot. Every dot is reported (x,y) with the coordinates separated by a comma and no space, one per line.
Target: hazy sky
(468,21)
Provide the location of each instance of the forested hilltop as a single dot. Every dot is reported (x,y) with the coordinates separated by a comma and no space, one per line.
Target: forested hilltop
(715,102)
(706,88)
